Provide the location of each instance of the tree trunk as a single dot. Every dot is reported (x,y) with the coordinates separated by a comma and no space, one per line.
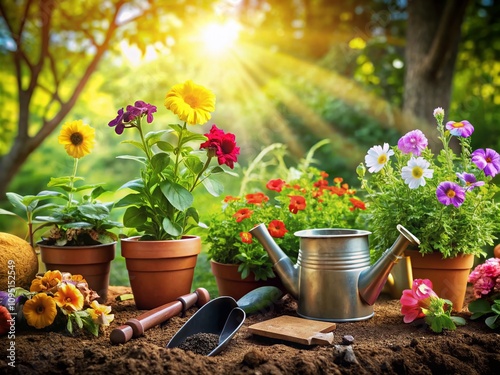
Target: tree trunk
(432,40)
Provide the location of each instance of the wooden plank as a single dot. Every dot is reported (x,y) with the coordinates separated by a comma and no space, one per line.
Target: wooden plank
(295,329)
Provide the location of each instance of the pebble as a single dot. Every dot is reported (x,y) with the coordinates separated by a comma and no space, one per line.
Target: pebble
(347,340)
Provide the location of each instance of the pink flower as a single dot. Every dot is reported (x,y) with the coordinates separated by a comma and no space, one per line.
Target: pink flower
(412,301)
(485,278)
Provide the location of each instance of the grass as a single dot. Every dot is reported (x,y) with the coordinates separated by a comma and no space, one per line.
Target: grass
(203,277)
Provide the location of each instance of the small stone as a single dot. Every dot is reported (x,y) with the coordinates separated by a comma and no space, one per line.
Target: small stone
(347,340)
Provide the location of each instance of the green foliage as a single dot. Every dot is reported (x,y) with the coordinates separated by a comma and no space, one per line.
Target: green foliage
(326,206)
(438,315)
(486,307)
(451,230)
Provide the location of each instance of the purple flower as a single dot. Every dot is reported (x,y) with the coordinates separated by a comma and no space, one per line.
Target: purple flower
(487,160)
(139,109)
(460,129)
(413,142)
(469,180)
(450,193)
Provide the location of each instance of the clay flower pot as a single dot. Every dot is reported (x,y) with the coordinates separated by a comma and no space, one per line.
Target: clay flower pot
(448,276)
(160,271)
(92,262)
(230,283)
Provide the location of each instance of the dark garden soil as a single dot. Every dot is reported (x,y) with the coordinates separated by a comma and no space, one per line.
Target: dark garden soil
(381,345)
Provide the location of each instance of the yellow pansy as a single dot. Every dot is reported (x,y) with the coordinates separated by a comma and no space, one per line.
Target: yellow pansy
(77,138)
(40,311)
(100,313)
(191,102)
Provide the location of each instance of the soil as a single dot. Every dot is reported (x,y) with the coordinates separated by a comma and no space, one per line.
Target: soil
(382,344)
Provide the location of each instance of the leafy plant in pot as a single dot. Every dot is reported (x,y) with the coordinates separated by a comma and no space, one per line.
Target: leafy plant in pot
(446,200)
(305,200)
(77,237)
(160,206)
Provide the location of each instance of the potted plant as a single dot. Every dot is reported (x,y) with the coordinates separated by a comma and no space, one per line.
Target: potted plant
(77,237)
(306,200)
(446,200)
(160,206)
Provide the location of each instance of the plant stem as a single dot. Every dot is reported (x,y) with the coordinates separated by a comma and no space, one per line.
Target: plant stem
(72,182)
(195,183)
(178,151)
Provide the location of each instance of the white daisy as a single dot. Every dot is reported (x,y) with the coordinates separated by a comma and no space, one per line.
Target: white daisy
(416,172)
(377,157)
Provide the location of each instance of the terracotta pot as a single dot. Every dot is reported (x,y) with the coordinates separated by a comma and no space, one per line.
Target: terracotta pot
(448,276)
(160,271)
(230,283)
(92,262)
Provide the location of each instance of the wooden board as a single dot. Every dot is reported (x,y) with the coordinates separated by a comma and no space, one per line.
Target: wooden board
(294,329)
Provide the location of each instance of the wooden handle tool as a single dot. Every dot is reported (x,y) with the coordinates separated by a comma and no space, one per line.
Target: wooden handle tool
(135,327)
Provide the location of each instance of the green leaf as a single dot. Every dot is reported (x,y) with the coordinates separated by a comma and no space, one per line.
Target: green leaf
(154,137)
(78,320)
(135,217)
(136,185)
(17,201)
(159,162)
(213,186)
(140,159)
(69,325)
(128,200)
(165,146)
(194,164)
(97,192)
(139,145)
(5,212)
(177,195)
(190,137)
(478,308)
(95,211)
(492,321)
(173,229)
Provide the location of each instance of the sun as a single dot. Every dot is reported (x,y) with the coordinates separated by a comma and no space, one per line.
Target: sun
(220,37)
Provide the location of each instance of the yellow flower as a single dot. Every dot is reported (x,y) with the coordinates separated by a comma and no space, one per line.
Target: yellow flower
(46,282)
(77,138)
(40,311)
(101,313)
(191,102)
(69,298)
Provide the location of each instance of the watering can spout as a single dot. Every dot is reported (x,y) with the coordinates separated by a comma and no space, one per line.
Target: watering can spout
(282,264)
(372,280)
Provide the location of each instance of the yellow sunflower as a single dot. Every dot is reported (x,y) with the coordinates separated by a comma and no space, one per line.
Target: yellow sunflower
(69,298)
(77,138)
(101,313)
(191,102)
(40,311)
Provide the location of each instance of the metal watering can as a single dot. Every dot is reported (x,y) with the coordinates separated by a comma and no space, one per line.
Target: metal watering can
(333,279)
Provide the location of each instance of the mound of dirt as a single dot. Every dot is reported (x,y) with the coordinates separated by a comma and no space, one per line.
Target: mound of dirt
(380,345)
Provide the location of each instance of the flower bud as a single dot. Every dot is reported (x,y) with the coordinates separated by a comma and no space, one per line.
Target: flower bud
(361,170)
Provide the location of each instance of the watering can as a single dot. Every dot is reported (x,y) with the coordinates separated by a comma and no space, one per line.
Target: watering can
(333,279)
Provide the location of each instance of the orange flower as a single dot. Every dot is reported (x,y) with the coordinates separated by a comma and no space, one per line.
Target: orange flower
(337,190)
(46,282)
(246,237)
(243,214)
(256,198)
(321,183)
(338,180)
(277,228)
(357,204)
(69,298)
(40,311)
(276,185)
(297,203)
(230,198)
(100,313)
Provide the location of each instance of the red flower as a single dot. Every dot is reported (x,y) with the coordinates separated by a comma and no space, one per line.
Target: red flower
(230,198)
(337,190)
(246,237)
(321,183)
(257,198)
(243,214)
(277,228)
(5,320)
(223,145)
(297,203)
(357,204)
(276,185)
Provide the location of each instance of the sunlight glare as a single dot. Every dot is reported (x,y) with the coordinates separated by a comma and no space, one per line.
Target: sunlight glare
(218,38)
